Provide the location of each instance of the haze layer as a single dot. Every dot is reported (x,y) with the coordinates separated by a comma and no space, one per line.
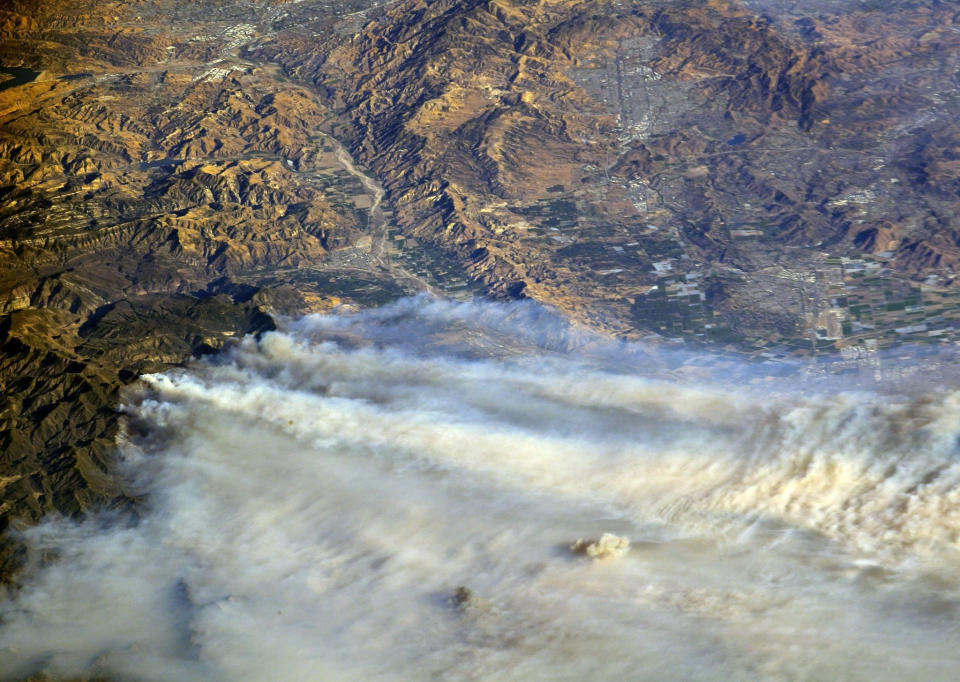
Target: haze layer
(316,500)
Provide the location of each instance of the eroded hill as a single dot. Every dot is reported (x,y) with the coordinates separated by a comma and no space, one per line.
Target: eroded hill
(573,152)
(160,195)
(774,177)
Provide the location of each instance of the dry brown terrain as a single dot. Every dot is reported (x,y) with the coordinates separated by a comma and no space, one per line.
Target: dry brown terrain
(160,195)
(172,174)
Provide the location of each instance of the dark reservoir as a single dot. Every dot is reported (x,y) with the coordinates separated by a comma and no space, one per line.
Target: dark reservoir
(21,76)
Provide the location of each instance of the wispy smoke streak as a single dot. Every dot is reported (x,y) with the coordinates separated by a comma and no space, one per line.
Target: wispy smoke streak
(315,498)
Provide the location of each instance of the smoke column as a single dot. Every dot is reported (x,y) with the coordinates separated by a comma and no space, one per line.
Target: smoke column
(393,495)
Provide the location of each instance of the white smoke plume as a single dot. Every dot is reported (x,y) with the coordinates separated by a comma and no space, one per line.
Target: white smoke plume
(314,500)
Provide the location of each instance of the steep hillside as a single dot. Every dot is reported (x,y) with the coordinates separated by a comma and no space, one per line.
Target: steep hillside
(159,195)
(559,150)
(779,178)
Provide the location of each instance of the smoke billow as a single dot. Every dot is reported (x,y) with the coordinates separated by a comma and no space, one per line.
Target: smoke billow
(317,499)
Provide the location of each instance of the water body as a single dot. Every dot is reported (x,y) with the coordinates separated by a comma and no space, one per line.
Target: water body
(315,500)
(21,76)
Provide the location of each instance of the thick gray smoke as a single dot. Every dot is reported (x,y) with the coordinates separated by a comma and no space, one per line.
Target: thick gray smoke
(394,494)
